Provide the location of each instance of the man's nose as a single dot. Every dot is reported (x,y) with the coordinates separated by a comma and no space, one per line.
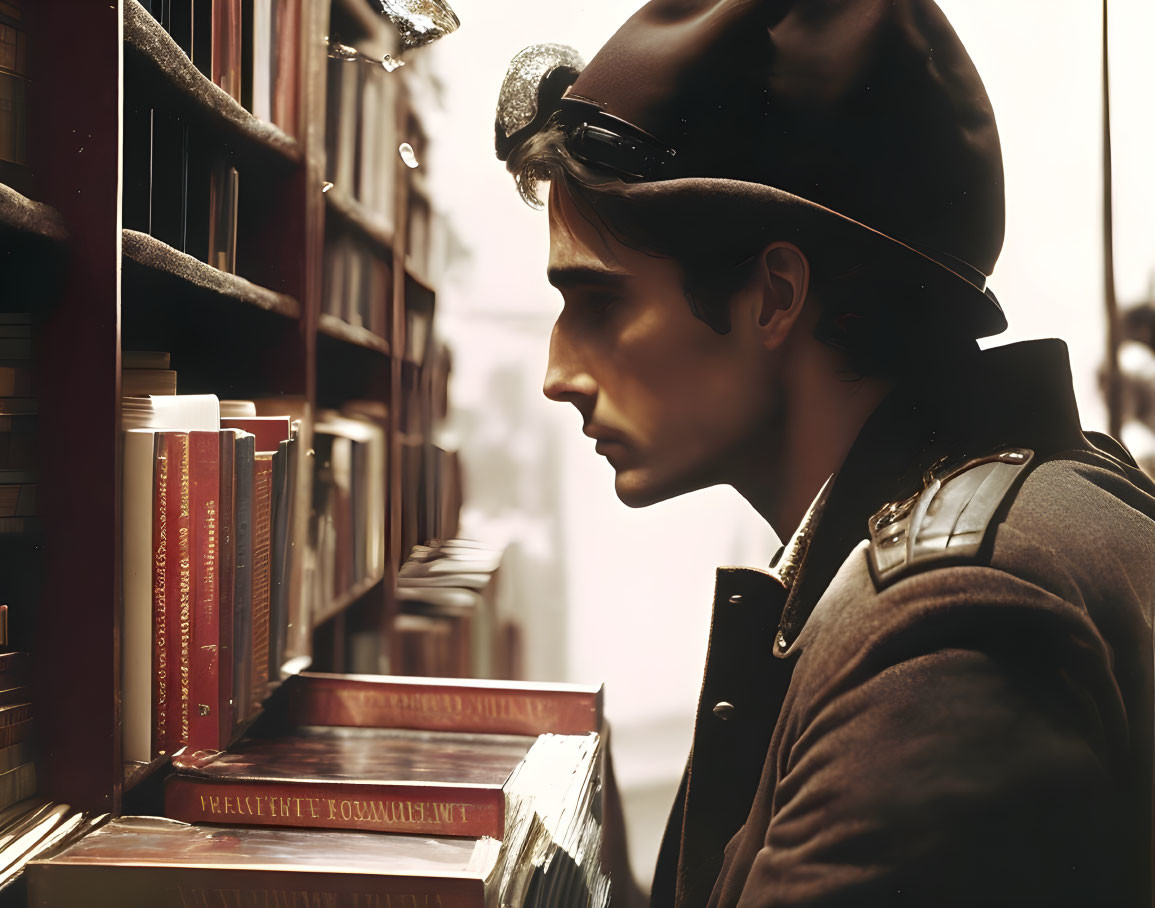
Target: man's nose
(566,379)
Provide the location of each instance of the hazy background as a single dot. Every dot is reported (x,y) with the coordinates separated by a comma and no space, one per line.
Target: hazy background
(620,596)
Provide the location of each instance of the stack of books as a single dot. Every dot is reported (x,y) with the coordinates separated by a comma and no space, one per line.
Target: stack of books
(33,828)
(17,766)
(384,791)
(207,512)
(449,622)
(18,417)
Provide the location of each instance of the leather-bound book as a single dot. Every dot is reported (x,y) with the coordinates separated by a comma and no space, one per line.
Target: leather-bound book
(440,704)
(226,582)
(15,723)
(376,780)
(178,589)
(150,862)
(204,668)
(281,526)
(262,542)
(243,581)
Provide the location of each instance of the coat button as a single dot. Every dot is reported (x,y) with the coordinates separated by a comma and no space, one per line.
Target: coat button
(723,710)
(736,598)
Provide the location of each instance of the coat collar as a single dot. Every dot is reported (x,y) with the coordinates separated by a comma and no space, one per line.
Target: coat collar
(1017,395)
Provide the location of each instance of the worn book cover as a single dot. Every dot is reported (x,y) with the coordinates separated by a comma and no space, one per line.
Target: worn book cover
(243,581)
(226,582)
(262,541)
(178,590)
(430,783)
(150,862)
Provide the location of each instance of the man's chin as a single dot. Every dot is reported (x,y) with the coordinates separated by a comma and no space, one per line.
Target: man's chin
(637,490)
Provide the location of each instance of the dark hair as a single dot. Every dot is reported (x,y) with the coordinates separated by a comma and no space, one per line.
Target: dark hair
(873,313)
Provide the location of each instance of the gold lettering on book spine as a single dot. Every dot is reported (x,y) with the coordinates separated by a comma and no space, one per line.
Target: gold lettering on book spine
(159,587)
(383,815)
(185,591)
(397,706)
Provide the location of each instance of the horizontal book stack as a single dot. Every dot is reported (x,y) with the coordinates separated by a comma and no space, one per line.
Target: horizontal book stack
(14,94)
(18,421)
(33,828)
(387,791)
(17,745)
(208,505)
(450,622)
(347,530)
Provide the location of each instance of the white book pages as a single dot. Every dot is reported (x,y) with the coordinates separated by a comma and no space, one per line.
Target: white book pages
(186,413)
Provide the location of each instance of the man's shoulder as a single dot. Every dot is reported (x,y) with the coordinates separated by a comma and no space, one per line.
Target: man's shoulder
(999,540)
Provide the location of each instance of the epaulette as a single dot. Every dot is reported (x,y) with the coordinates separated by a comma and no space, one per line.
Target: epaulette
(948,521)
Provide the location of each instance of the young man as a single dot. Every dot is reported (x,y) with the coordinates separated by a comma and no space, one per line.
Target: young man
(771,222)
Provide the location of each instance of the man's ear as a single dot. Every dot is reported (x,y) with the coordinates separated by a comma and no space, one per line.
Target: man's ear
(784,276)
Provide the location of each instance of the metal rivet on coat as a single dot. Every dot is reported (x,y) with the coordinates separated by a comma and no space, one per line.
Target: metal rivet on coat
(1013,456)
(723,709)
(736,598)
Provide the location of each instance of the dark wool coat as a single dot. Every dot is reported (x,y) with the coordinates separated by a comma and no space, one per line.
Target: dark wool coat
(975,733)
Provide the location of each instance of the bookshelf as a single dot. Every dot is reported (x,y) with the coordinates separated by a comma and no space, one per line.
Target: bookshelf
(97,285)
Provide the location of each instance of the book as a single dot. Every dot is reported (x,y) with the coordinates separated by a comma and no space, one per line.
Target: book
(226,585)
(178,606)
(227,46)
(223,208)
(152,862)
(17,783)
(287,64)
(438,704)
(270,431)
(15,723)
(156,656)
(203,667)
(138,555)
(168,182)
(243,579)
(378,780)
(16,755)
(261,577)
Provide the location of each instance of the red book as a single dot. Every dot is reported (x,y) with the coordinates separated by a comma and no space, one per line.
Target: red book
(151,862)
(441,704)
(160,650)
(226,581)
(262,564)
(269,430)
(204,673)
(286,77)
(226,46)
(178,589)
(425,783)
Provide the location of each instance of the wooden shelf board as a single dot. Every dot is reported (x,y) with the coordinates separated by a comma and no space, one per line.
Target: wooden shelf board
(371,225)
(22,215)
(336,327)
(155,256)
(167,63)
(414,274)
(341,603)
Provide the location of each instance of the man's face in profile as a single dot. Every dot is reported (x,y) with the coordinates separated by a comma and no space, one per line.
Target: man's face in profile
(669,400)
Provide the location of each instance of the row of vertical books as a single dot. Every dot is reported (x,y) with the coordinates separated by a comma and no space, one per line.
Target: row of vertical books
(207,515)
(369,790)
(358,282)
(450,622)
(361,133)
(248,48)
(349,499)
(178,188)
(18,421)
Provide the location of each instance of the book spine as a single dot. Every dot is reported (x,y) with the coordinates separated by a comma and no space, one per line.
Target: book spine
(278,562)
(371,807)
(226,46)
(243,582)
(17,784)
(226,585)
(375,704)
(204,674)
(59,885)
(159,640)
(262,539)
(12,734)
(288,40)
(178,589)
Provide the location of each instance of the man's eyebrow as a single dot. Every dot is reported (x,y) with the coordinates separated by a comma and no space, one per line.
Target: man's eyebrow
(579,275)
